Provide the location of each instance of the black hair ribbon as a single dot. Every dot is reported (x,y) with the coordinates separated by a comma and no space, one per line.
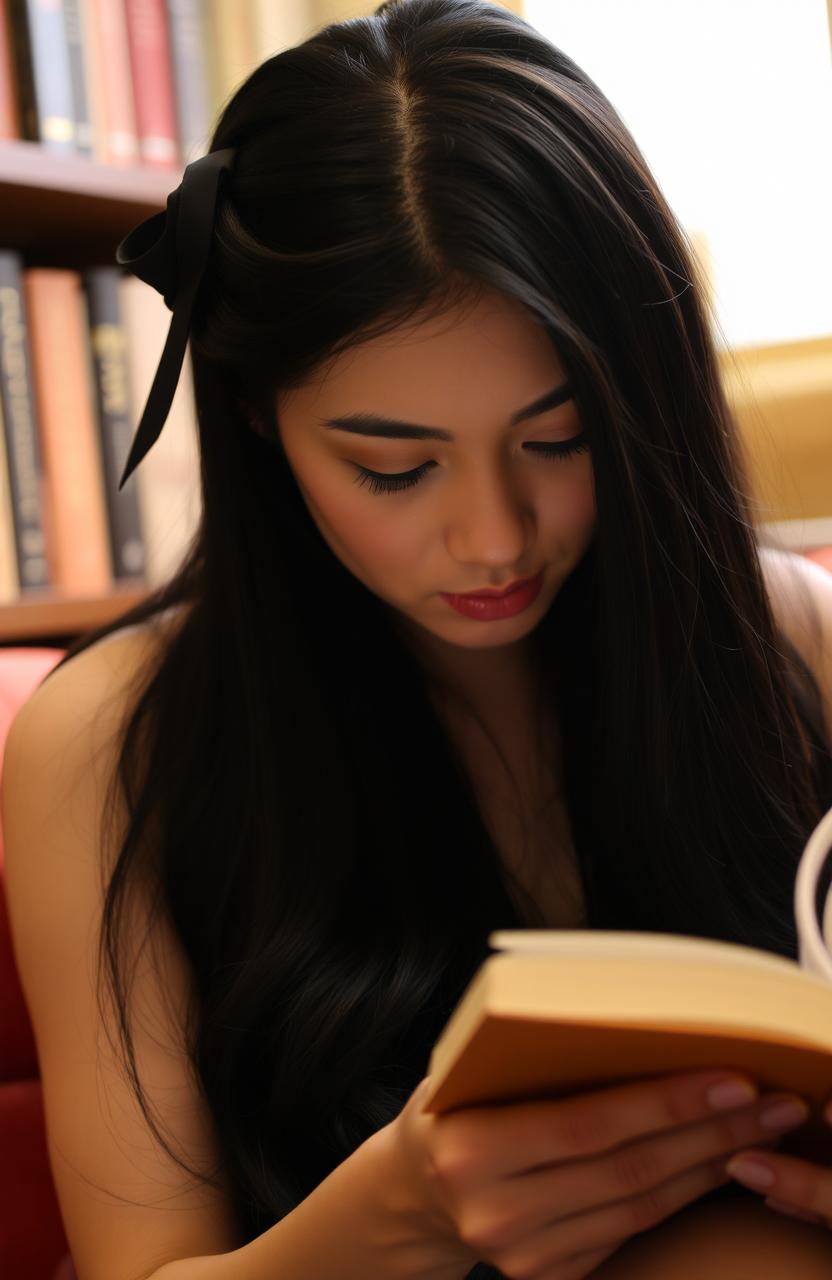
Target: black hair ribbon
(169,251)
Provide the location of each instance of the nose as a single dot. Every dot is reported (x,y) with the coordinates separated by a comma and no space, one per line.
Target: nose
(491,520)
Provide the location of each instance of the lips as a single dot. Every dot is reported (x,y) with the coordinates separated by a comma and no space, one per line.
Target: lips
(493,592)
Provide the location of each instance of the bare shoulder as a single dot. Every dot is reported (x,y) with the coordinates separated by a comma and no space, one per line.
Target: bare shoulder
(800,592)
(122,653)
(92,687)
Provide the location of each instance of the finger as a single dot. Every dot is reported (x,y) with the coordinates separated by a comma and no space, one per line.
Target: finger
(801,1183)
(791,1212)
(623,1172)
(616,1222)
(551,1131)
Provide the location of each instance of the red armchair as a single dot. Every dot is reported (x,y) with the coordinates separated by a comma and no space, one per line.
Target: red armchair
(33,1245)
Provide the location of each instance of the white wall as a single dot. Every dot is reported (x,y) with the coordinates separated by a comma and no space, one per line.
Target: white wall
(730,102)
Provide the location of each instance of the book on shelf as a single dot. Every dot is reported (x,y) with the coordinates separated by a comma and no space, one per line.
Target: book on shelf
(125,83)
(190,52)
(78,351)
(23,557)
(560,1012)
(78,105)
(134,81)
(74,510)
(109,81)
(107,346)
(11,124)
(40,73)
(151,75)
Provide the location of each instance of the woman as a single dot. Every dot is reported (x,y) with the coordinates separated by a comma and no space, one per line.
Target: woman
(337,782)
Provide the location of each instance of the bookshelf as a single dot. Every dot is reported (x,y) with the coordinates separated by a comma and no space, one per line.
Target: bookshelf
(47,618)
(70,211)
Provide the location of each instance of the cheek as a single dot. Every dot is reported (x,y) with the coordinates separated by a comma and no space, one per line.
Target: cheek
(382,536)
(586,510)
(571,507)
(370,529)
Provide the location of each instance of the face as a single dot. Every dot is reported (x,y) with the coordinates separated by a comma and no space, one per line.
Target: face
(492,503)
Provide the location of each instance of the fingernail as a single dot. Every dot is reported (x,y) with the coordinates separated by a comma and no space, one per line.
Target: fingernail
(751,1172)
(783,1114)
(728,1094)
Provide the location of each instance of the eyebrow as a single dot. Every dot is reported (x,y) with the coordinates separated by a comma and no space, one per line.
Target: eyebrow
(370,424)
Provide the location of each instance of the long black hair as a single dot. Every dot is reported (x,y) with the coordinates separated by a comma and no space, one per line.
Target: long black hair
(317,845)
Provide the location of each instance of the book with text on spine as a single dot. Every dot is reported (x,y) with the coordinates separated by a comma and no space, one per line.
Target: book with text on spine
(561,1012)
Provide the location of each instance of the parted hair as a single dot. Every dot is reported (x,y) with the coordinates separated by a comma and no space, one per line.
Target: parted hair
(294,802)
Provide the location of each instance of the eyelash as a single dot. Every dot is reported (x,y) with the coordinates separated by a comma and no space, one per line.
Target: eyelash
(380,483)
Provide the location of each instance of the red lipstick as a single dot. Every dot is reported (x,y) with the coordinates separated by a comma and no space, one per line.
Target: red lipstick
(489,605)
(491,592)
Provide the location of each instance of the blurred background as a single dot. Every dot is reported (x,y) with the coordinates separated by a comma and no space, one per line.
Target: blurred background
(103,103)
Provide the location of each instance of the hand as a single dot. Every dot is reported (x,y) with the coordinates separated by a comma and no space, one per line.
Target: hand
(559,1185)
(799,1188)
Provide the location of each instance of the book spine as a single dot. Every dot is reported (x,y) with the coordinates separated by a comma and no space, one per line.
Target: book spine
(231,39)
(190,57)
(9,580)
(21,44)
(10,122)
(278,26)
(111,82)
(78,543)
(94,85)
(78,76)
(150,62)
(108,344)
(50,64)
(20,424)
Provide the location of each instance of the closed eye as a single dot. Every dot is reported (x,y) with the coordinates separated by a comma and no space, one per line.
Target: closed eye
(380,482)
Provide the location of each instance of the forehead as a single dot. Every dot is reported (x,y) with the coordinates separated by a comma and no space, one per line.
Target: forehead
(484,357)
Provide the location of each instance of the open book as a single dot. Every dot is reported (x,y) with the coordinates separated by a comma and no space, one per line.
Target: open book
(560,1012)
